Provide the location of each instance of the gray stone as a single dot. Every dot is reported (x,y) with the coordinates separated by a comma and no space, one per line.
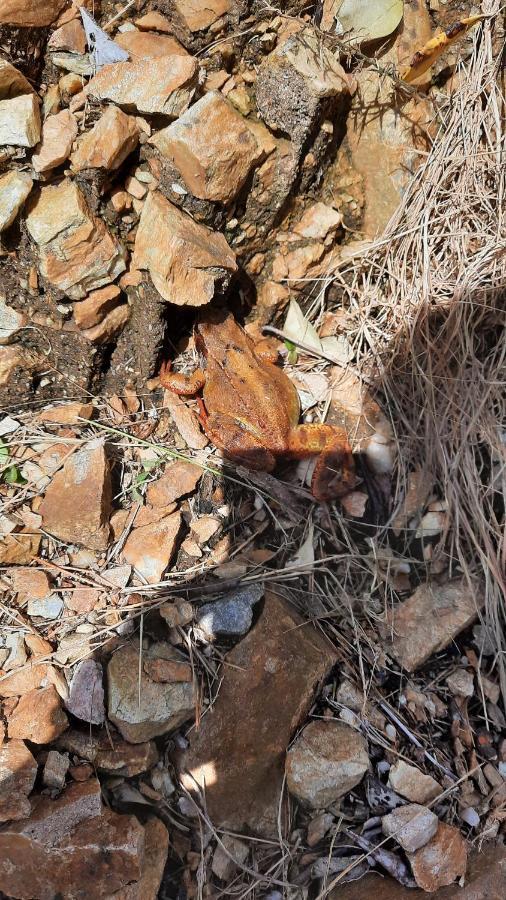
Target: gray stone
(48,607)
(325,762)
(229,617)
(412,826)
(55,770)
(86,699)
(139,707)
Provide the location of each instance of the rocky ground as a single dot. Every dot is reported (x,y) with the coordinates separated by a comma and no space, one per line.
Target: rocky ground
(211,685)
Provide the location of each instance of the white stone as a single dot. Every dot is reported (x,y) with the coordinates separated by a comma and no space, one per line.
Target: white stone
(14,189)
(20,121)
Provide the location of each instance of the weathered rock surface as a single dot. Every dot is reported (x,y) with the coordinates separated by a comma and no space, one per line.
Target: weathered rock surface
(428,621)
(188,261)
(38,717)
(77,252)
(141,44)
(123,758)
(150,548)
(14,189)
(325,762)
(461,683)
(58,134)
(109,142)
(211,147)
(162,707)
(73,845)
(178,478)
(230,616)
(197,15)
(12,81)
(240,758)
(18,771)
(409,782)
(228,855)
(29,678)
(28,13)
(55,770)
(77,503)
(11,321)
(294,82)
(441,861)
(86,698)
(411,826)
(20,121)
(92,310)
(162,85)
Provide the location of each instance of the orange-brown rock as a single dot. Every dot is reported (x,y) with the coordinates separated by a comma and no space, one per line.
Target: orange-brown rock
(122,758)
(212,148)
(187,261)
(12,81)
(74,847)
(441,861)
(67,414)
(30,13)
(27,679)
(154,21)
(20,121)
(38,717)
(167,670)
(70,36)
(18,549)
(58,134)
(91,311)
(141,44)
(18,771)
(108,143)
(164,84)
(77,503)
(197,15)
(272,674)
(77,252)
(326,761)
(30,583)
(150,548)
(429,620)
(14,189)
(179,478)
(111,325)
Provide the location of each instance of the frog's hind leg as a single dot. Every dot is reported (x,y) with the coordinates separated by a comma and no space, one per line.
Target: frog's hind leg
(186,385)
(237,443)
(334,472)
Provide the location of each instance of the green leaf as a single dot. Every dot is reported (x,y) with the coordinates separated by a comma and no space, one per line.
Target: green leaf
(369,19)
(12,475)
(4,453)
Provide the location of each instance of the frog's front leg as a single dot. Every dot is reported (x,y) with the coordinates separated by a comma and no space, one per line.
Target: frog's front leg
(187,385)
(237,443)
(334,472)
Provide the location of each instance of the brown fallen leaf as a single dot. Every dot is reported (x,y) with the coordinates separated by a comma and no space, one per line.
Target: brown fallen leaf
(432,50)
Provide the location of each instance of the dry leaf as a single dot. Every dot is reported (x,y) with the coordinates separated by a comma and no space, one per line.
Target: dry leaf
(368,20)
(432,50)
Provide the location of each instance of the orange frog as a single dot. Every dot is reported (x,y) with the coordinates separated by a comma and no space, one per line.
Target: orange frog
(250,409)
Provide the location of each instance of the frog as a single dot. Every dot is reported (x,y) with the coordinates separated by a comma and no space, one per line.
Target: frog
(250,409)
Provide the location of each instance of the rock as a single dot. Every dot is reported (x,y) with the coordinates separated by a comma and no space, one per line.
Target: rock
(58,134)
(18,771)
(30,13)
(325,762)
(211,147)
(156,847)
(318,828)
(163,85)
(12,81)
(185,421)
(67,414)
(441,861)
(178,613)
(272,673)
(354,409)
(122,758)
(70,36)
(168,670)
(141,44)
(428,621)
(82,600)
(162,707)
(154,21)
(86,698)
(55,770)
(150,548)
(229,854)
(111,325)
(197,16)
(77,253)
(411,826)
(32,676)
(11,321)
(77,503)
(14,643)
(18,549)
(20,121)
(30,582)
(188,261)
(409,782)
(318,221)
(461,683)
(178,479)
(73,843)
(231,616)
(204,528)
(14,189)
(48,607)
(298,84)
(38,717)
(109,142)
